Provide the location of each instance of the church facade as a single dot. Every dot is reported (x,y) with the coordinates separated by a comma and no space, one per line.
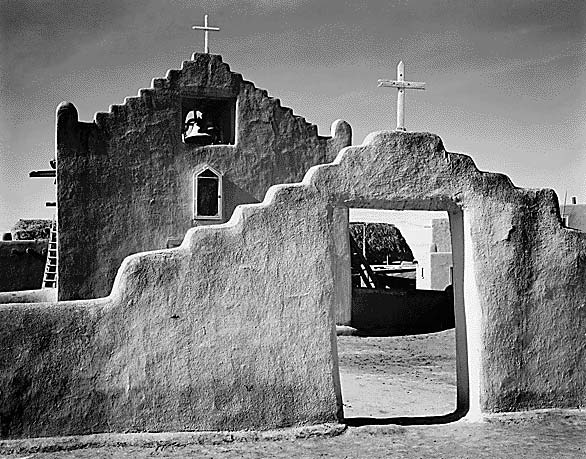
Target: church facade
(183,153)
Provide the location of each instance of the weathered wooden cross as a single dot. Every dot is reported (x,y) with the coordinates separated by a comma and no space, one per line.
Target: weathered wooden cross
(401,85)
(206,29)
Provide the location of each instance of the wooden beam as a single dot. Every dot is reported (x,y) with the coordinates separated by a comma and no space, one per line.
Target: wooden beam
(51,173)
(401,84)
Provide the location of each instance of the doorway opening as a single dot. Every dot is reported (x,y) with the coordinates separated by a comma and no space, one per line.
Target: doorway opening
(402,355)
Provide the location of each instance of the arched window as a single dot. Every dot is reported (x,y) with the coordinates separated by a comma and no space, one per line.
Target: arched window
(207,194)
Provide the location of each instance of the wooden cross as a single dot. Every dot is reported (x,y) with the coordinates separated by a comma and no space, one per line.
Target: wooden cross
(206,29)
(401,85)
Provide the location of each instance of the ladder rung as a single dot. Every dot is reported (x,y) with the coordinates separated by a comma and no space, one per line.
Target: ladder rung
(50,274)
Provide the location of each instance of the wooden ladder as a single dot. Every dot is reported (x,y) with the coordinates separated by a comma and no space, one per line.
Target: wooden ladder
(359,263)
(50,276)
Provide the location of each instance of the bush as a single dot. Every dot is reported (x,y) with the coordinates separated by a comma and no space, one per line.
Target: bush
(31,229)
(382,240)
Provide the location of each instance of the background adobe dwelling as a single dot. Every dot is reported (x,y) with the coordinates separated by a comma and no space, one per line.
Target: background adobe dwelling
(128,181)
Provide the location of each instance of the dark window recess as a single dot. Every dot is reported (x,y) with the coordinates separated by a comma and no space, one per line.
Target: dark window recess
(208,121)
(207,194)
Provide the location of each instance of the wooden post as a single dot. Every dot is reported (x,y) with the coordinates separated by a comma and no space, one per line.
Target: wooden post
(364,240)
(401,97)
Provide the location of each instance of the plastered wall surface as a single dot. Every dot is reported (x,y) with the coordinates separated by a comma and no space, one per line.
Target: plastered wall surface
(225,332)
(124,181)
(434,270)
(236,328)
(42,295)
(439,270)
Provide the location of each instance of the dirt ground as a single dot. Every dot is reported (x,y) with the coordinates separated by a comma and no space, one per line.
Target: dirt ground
(398,376)
(389,377)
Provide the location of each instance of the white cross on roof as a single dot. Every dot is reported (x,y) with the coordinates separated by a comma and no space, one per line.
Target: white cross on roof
(206,29)
(401,85)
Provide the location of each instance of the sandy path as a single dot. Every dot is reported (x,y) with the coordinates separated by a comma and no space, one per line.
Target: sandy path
(398,376)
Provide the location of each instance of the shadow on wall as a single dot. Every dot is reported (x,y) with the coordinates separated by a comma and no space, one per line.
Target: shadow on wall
(377,312)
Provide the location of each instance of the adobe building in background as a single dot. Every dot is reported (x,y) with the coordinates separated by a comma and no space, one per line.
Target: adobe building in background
(574,215)
(183,153)
(23,254)
(21,264)
(435,269)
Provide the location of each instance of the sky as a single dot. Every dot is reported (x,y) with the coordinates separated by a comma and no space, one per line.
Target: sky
(505,79)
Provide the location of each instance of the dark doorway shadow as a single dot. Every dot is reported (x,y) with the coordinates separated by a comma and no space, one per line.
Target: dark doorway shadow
(407,420)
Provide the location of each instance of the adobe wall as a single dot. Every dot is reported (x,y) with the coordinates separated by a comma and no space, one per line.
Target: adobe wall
(233,330)
(401,312)
(434,269)
(440,234)
(576,214)
(39,295)
(439,270)
(236,328)
(124,181)
(22,264)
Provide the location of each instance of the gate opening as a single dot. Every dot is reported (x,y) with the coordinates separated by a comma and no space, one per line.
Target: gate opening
(402,358)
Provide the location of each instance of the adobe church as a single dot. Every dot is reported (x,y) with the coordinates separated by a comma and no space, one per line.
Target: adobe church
(183,153)
(235,328)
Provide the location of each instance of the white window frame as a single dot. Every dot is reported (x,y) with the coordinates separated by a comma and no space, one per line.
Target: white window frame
(196,174)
